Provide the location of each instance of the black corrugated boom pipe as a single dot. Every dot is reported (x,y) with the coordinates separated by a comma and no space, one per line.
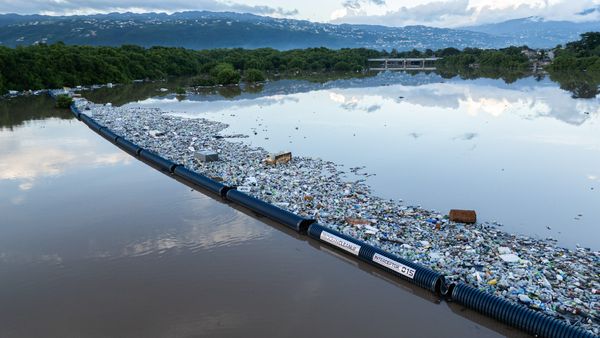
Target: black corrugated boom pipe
(409,271)
(129,147)
(108,134)
(75,111)
(201,180)
(285,217)
(161,163)
(521,317)
(343,242)
(95,126)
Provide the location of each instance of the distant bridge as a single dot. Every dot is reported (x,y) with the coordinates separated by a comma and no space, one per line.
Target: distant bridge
(404,63)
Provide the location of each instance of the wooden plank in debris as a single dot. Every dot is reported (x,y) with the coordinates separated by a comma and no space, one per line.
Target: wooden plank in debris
(282,157)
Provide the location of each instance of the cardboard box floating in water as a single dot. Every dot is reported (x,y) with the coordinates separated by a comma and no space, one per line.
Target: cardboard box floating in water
(206,155)
(281,157)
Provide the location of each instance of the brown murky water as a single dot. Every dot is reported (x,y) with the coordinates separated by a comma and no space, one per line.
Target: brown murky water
(96,244)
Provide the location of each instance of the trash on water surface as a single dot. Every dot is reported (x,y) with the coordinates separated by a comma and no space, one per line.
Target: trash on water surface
(356,221)
(206,155)
(463,216)
(510,258)
(156,133)
(281,157)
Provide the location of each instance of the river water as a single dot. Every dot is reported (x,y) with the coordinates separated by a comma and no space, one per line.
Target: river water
(94,243)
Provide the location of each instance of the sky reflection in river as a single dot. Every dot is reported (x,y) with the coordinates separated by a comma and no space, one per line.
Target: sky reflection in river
(40,157)
(47,149)
(524,154)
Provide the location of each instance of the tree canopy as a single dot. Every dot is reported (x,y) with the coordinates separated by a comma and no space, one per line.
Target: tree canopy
(57,65)
(581,55)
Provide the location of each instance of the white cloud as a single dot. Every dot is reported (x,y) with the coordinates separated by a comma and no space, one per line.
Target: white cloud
(81,7)
(357,4)
(440,13)
(338,14)
(457,13)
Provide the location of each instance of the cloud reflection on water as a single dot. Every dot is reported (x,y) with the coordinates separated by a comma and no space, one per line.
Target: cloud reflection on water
(211,230)
(47,149)
(475,99)
(472,98)
(195,225)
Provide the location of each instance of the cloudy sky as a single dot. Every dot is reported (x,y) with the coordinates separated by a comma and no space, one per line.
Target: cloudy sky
(441,13)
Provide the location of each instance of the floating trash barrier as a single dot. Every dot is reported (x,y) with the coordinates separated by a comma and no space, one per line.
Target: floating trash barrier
(409,271)
(75,112)
(91,123)
(285,217)
(530,321)
(158,161)
(108,134)
(201,181)
(336,239)
(129,147)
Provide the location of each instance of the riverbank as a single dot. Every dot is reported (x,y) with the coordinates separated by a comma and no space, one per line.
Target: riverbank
(537,273)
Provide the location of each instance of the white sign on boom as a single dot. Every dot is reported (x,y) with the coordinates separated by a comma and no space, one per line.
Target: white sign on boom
(340,242)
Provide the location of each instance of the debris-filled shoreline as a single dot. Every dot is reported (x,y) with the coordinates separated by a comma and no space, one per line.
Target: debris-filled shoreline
(537,273)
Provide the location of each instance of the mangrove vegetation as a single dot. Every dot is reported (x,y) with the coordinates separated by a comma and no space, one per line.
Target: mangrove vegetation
(54,66)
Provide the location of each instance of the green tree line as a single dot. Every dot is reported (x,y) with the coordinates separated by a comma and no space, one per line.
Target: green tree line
(510,58)
(582,55)
(576,67)
(58,65)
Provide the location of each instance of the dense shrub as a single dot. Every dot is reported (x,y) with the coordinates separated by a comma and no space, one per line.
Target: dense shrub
(227,77)
(254,75)
(202,81)
(63,101)
(342,66)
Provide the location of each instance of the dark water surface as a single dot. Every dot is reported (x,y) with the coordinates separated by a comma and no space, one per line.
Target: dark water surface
(94,243)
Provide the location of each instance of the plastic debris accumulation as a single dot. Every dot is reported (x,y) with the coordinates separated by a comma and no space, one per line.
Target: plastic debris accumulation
(526,272)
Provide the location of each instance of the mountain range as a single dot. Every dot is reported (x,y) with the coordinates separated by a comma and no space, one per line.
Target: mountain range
(203,30)
(536,32)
